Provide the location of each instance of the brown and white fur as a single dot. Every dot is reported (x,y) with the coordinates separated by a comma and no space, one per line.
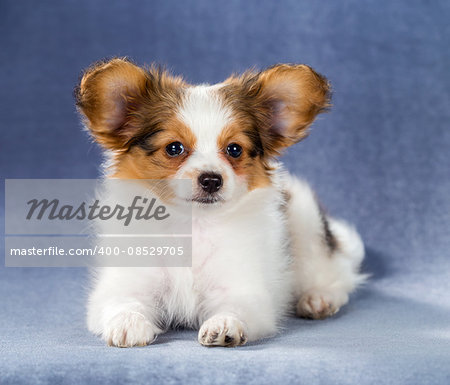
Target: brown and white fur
(262,246)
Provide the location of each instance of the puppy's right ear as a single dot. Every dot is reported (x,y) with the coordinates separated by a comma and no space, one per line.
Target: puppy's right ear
(108,91)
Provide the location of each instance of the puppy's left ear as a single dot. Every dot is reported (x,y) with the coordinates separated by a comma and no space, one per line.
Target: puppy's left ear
(295,95)
(285,99)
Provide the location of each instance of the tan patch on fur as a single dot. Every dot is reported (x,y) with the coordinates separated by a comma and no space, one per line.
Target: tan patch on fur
(248,165)
(137,164)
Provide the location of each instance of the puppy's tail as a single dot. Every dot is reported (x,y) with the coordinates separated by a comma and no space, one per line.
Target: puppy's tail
(349,246)
(327,252)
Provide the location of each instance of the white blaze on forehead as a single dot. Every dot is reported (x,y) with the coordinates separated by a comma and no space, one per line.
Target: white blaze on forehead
(204,112)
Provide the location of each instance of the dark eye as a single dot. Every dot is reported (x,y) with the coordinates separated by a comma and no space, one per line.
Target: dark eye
(234,150)
(174,149)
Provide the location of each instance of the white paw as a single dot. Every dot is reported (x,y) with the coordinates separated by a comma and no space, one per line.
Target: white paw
(129,329)
(320,305)
(222,330)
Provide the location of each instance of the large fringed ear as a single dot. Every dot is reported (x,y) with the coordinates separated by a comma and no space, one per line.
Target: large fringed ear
(104,96)
(296,94)
(285,99)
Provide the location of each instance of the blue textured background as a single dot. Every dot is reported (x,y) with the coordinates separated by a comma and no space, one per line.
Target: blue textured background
(380,159)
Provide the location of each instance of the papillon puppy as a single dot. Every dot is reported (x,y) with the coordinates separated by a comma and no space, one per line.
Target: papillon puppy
(262,246)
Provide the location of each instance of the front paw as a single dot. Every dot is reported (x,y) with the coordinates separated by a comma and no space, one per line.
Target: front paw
(222,330)
(127,329)
(320,304)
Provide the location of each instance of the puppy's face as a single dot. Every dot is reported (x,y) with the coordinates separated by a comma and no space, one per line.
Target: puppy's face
(222,137)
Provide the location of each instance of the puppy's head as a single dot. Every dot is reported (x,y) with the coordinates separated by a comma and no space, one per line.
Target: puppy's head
(222,137)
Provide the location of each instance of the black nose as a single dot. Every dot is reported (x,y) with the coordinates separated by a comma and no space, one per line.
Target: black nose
(210,182)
